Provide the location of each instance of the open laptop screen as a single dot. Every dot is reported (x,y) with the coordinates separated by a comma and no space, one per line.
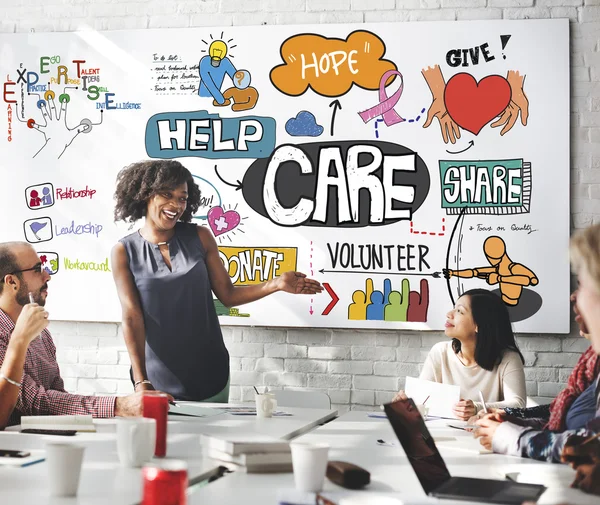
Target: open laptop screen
(418,444)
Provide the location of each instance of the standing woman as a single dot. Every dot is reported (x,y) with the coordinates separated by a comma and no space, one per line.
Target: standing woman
(164,273)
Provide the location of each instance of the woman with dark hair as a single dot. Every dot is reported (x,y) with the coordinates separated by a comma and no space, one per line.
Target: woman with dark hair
(482,355)
(164,273)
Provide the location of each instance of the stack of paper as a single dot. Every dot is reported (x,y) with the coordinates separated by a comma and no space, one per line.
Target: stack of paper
(252,454)
(77,423)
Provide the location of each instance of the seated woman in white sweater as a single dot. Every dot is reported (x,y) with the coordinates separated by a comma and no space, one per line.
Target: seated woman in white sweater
(482,355)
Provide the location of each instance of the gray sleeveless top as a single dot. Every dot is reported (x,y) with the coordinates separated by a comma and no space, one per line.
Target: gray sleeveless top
(185,353)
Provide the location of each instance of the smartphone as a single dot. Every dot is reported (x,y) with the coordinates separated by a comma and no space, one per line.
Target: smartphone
(66,433)
(8,453)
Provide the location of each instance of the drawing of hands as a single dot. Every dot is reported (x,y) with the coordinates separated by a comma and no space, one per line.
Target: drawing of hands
(419,303)
(493,278)
(447,273)
(57,134)
(404,302)
(435,81)
(518,103)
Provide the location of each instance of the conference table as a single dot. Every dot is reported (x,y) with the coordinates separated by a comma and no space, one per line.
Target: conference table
(104,481)
(355,437)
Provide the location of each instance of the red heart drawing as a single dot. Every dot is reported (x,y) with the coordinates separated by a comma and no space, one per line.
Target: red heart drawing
(472,105)
(221,222)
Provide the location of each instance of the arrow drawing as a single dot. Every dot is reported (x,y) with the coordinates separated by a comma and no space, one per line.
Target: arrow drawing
(435,275)
(334,299)
(471,144)
(336,105)
(237,186)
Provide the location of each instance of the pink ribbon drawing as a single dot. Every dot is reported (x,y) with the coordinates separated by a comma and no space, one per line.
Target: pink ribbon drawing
(385,107)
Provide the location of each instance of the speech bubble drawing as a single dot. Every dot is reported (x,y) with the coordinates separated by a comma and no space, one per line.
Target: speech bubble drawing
(209,197)
(330,66)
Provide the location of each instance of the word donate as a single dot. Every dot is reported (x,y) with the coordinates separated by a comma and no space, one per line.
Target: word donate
(333,184)
(253,265)
(330,66)
(486,187)
(203,135)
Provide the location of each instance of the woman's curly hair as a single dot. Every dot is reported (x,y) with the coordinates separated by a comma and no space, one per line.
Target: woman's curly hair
(139,181)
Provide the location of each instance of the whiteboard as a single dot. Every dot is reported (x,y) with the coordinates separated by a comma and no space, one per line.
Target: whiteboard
(313,149)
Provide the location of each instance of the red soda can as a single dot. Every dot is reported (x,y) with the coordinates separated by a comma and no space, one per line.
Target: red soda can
(165,483)
(156,406)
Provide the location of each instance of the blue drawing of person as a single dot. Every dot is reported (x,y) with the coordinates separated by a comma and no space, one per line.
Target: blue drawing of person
(375,310)
(47,198)
(213,68)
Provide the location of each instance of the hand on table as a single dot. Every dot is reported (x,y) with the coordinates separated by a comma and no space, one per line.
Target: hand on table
(133,405)
(486,427)
(576,453)
(464,409)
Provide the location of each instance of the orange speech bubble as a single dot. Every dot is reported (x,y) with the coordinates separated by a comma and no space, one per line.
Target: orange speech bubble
(330,66)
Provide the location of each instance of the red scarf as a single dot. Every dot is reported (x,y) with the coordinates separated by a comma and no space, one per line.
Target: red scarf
(582,376)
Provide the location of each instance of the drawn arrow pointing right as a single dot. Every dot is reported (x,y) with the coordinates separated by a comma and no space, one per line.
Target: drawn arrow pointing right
(334,299)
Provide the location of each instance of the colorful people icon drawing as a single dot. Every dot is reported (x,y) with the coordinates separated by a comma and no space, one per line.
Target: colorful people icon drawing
(47,198)
(34,199)
(213,68)
(357,310)
(511,277)
(397,308)
(375,310)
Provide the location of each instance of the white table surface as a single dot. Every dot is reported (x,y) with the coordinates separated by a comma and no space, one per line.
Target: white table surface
(104,481)
(353,437)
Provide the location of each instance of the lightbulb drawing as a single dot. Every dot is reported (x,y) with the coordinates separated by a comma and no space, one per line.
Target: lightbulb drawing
(214,67)
(217,51)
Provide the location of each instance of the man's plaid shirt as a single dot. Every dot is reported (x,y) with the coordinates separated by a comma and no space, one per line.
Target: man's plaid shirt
(43,390)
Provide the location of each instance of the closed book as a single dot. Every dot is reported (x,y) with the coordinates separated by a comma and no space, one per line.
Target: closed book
(76,423)
(248,459)
(262,468)
(241,444)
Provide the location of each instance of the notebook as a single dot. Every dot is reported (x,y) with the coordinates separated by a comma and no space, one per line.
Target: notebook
(76,423)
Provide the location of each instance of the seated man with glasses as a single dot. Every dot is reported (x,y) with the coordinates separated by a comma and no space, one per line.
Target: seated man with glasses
(30,382)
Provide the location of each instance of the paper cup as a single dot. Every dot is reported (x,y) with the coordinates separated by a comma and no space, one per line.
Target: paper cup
(310,465)
(64,468)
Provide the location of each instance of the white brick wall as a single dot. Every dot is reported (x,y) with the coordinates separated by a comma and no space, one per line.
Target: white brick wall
(357,369)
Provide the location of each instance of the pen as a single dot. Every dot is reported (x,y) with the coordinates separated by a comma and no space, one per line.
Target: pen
(483,401)
(173,403)
(597,435)
(31,299)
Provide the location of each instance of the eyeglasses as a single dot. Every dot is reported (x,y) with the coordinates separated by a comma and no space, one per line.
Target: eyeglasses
(38,268)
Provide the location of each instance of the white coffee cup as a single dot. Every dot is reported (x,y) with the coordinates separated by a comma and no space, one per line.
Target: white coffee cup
(136,438)
(265,404)
(64,467)
(310,464)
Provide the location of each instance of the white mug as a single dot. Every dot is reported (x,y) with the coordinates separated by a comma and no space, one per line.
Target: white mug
(265,405)
(310,464)
(64,467)
(136,438)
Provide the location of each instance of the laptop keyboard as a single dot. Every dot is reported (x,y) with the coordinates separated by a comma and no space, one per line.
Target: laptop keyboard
(473,487)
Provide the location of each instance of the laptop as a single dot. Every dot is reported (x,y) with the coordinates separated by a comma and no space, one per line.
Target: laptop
(432,472)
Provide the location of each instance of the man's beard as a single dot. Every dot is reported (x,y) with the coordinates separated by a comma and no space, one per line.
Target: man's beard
(23,295)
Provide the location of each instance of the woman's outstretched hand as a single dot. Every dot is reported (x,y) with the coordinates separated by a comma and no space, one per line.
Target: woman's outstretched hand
(298,284)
